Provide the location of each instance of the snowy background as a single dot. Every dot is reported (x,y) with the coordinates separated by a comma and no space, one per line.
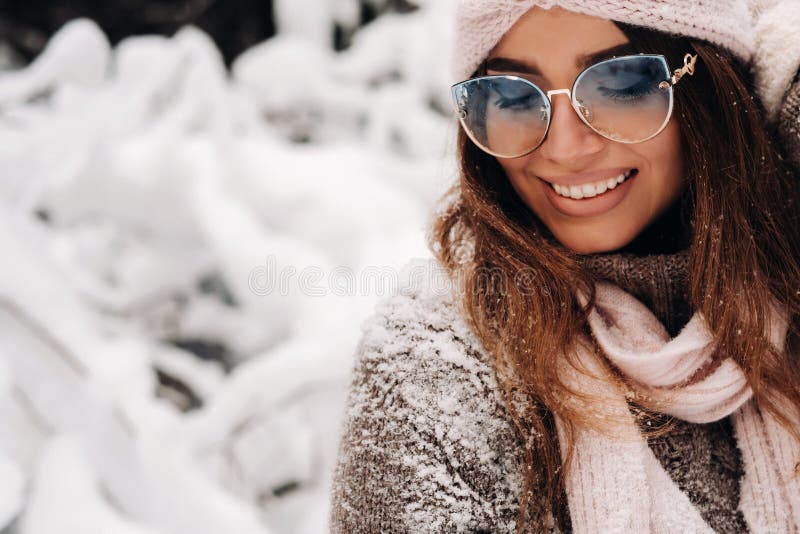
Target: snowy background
(188,252)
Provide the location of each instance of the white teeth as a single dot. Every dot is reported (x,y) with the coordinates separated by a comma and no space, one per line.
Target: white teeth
(578,192)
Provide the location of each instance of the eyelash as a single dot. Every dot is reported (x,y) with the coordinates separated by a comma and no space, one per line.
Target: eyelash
(509,103)
(633,92)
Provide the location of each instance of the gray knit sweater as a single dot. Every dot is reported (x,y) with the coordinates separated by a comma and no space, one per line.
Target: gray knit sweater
(428,445)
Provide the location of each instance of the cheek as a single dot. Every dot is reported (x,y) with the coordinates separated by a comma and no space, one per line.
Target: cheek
(527,187)
(666,165)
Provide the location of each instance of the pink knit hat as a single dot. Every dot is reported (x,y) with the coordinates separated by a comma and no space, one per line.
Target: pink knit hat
(481,23)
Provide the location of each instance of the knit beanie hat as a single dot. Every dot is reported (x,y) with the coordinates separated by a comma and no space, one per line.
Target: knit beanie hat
(480,24)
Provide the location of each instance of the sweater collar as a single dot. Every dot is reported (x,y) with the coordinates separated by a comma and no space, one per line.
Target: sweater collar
(659,281)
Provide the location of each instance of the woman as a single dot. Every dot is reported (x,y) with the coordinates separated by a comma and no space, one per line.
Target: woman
(619,350)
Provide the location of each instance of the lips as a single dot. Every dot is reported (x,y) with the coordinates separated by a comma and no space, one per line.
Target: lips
(589,194)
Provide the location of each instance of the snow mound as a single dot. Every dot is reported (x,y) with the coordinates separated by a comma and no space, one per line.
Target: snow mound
(189,252)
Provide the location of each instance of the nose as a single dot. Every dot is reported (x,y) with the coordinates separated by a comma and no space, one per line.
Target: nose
(569,141)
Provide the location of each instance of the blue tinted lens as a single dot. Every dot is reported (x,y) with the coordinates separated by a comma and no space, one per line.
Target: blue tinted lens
(627,99)
(506,116)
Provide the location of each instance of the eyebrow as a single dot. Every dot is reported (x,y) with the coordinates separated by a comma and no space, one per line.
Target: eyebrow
(503,64)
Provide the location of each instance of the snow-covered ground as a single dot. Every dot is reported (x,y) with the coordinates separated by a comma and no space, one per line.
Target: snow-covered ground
(188,254)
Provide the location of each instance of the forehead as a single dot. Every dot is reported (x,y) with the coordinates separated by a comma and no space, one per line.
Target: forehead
(555,39)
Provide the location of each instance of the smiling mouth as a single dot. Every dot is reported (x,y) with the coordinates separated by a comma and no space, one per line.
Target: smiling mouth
(593,189)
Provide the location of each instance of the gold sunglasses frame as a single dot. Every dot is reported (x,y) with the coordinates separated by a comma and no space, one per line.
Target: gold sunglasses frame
(689,62)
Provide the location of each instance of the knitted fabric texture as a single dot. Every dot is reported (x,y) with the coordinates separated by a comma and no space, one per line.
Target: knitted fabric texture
(615,483)
(480,24)
(789,123)
(706,464)
(660,282)
(696,456)
(429,447)
(777,56)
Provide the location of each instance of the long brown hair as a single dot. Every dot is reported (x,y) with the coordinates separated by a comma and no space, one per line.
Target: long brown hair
(742,208)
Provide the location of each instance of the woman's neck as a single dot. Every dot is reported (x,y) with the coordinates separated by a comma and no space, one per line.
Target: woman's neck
(654,268)
(669,234)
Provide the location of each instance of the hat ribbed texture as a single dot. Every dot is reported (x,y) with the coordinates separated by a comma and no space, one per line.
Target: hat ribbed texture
(481,23)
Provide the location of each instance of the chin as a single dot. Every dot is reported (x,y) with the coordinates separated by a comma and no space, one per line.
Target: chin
(594,240)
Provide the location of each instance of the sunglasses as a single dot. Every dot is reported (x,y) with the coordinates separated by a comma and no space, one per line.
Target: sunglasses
(627,99)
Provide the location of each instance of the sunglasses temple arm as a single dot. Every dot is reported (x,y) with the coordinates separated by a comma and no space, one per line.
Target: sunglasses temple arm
(689,61)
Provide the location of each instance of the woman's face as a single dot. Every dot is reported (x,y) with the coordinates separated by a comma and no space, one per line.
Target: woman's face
(550,48)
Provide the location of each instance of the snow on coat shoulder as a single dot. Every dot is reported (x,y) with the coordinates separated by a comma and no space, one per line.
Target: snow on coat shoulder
(427,445)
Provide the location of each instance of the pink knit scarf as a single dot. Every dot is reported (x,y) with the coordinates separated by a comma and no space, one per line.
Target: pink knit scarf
(615,483)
